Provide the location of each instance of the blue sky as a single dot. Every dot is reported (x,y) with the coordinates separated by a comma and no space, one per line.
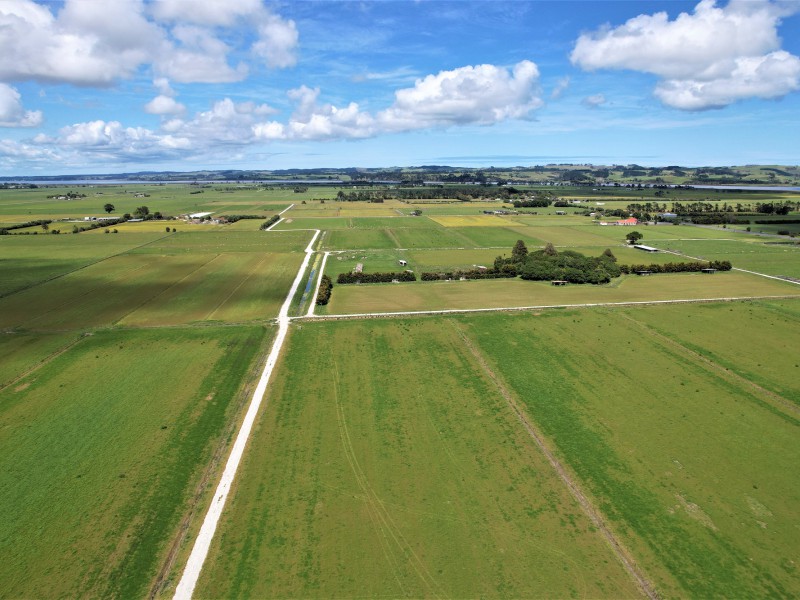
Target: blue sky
(96,86)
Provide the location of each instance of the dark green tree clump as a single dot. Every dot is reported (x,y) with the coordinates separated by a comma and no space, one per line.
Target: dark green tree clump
(345,278)
(270,222)
(505,271)
(325,288)
(569,266)
(678,267)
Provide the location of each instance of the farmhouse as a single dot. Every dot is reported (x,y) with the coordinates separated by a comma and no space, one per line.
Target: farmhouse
(628,221)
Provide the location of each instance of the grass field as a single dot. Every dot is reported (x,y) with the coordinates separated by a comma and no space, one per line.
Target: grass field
(471,221)
(101,451)
(28,260)
(772,259)
(691,463)
(387,467)
(499,293)
(390,459)
(136,289)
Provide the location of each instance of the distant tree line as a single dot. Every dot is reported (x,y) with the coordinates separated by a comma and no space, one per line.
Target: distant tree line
(345,278)
(537,202)
(325,288)
(5,229)
(462,193)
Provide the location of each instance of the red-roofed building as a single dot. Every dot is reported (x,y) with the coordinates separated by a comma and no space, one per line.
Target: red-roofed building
(628,221)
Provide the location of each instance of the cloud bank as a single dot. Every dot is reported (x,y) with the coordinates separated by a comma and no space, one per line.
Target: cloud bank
(471,95)
(97,43)
(708,59)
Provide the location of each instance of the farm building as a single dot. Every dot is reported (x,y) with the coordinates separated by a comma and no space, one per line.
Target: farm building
(628,221)
(645,248)
(403,263)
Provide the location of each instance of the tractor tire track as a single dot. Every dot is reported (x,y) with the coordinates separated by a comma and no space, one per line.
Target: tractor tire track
(594,515)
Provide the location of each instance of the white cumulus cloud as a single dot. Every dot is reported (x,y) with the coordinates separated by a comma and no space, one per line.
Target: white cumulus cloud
(482,94)
(164,105)
(12,113)
(707,59)
(96,43)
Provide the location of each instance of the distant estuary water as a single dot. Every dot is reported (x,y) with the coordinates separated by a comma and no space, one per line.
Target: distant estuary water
(754,188)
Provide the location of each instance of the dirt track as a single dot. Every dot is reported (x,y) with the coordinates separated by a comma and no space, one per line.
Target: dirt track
(594,515)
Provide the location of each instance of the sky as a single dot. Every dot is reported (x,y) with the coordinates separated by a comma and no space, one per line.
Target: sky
(109,86)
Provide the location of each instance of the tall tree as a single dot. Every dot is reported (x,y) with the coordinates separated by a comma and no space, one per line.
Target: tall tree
(633,237)
(108,207)
(519,251)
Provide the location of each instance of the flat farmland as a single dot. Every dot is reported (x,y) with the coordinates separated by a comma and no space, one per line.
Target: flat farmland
(27,260)
(102,451)
(470,221)
(439,237)
(772,259)
(496,293)
(766,329)
(346,239)
(325,223)
(440,260)
(693,464)
(222,240)
(142,227)
(486,237)
(24,352)
(364,481)
(156,290)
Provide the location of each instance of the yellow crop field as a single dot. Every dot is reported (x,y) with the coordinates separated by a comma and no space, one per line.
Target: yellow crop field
(470,221)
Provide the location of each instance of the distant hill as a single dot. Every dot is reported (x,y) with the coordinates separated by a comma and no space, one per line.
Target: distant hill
(576,174)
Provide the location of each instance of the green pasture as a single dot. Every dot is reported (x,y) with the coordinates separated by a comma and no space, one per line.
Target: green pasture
(28,260)
(761,257)
(102,451)
(493,237)
(222,240)
(442,260)
(324,223)
(171,200)
(388,467)
(694,468)
(767,331)
(24,352)
(345,239)
(372,261)
(449,207)
(440,237)
(150,289)
(503,293)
